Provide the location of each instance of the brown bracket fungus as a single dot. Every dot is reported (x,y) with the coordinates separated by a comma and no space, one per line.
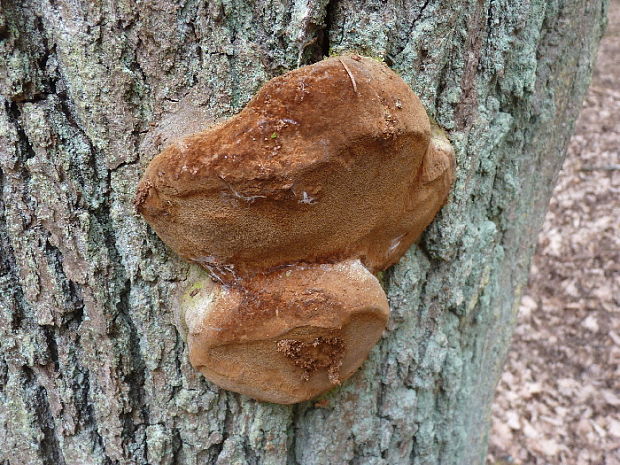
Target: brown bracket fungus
(328,175)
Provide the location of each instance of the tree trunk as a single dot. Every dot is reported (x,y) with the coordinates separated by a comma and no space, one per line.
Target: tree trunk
(93,370)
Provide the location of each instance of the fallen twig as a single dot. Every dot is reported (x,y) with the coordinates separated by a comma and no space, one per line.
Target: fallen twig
(600,168)
(346,68)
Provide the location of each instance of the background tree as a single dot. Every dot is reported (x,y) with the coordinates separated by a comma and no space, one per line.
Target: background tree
(92,369)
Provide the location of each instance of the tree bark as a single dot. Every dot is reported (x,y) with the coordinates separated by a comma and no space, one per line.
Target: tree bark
(92,370)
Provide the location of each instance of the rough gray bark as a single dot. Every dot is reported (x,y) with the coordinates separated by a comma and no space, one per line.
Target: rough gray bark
(92,370)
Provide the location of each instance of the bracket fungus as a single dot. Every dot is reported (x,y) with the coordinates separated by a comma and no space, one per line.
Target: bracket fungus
(327,176)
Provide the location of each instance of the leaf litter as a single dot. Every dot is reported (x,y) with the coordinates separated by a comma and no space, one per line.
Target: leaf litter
(558,400)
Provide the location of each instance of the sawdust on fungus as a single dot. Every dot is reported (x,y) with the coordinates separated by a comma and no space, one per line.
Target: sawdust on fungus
(320,353)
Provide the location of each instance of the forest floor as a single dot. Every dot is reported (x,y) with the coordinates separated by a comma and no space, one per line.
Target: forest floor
(558,401)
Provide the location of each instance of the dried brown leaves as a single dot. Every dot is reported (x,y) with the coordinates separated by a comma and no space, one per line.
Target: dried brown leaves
(558,401)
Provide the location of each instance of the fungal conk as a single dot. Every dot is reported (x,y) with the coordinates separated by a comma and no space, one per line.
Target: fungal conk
(326,177)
